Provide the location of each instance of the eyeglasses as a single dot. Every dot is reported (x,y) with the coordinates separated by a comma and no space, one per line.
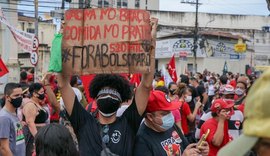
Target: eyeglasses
(105,137)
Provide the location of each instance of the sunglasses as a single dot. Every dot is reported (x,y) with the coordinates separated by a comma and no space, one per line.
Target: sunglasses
(105,136)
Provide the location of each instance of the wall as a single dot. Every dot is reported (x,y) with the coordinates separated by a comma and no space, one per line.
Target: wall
(211,64)
(187,19)
(9,48)
(173,23)
(152,4)
(46,33)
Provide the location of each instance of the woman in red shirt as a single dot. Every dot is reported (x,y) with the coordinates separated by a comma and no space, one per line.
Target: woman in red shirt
(185,96)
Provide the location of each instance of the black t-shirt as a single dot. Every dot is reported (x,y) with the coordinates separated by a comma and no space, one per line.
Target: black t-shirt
(152,143)
(121,133)
(201,90)
(194,95)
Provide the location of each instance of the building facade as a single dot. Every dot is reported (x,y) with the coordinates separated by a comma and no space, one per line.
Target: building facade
(8,46)
(47,30)
(131,4)
(218,34)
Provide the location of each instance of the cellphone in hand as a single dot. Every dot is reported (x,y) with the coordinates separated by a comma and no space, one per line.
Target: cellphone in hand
(203,138)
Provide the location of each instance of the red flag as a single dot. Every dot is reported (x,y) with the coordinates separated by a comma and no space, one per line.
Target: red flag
(3,68)
(86,79)
(172,69)
(136,79)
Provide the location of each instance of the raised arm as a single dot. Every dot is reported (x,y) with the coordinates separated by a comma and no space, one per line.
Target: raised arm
(219,134)
(143,90)
(51,96)
(192,116)
(67,92)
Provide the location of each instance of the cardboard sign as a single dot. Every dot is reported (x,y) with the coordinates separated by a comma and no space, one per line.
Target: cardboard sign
(106,40)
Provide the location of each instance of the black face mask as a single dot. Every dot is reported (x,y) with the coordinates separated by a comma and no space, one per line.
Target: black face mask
(108,105)
(41,96)
(17,102)
(172,91)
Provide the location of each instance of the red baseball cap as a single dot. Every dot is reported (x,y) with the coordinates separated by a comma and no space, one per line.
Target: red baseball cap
(159,101)
(219,104)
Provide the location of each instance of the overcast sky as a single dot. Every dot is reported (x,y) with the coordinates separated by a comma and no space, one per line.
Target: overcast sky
(247,7)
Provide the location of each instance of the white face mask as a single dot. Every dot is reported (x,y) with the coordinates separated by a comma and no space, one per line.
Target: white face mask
(239,91)
(188,98)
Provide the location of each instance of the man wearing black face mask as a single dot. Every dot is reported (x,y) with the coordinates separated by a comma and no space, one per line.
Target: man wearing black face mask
(105,134)
(11,132)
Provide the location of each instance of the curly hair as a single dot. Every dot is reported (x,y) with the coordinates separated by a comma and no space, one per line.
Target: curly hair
(113,81)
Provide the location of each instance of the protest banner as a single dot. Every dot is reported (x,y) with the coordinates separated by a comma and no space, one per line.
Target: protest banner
(106,40)
(25,40)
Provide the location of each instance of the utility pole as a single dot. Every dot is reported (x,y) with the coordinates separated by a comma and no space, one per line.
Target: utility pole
(195,35)
(63,9)
(36,34)
(36,17)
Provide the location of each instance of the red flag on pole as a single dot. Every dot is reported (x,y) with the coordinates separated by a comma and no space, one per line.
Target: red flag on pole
(136,79)
(172,69)
(3,68)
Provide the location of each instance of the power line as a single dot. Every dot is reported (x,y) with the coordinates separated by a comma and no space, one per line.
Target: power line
(20,1)
(27,5)
(51,2)
(20,10)
(46,6)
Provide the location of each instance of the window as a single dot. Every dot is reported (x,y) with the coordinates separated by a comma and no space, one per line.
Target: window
(103,3)
(30,30)
(22,23)
(122,3)
(137,4)
(42,37)
(30,25)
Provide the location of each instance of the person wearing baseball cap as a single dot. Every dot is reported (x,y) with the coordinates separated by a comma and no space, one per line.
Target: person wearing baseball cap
(158,134)
(227,93)
(256,136)
(218,126)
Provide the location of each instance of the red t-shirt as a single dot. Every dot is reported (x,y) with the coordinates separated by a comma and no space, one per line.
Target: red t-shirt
(233,83)
(185,111)
(212,124)
(241,107)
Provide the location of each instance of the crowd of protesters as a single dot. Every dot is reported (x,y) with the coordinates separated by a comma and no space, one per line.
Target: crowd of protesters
(52,117)
(151,119)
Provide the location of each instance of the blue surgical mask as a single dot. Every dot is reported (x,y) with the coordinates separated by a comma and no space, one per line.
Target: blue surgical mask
(168,121)
(79,82)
